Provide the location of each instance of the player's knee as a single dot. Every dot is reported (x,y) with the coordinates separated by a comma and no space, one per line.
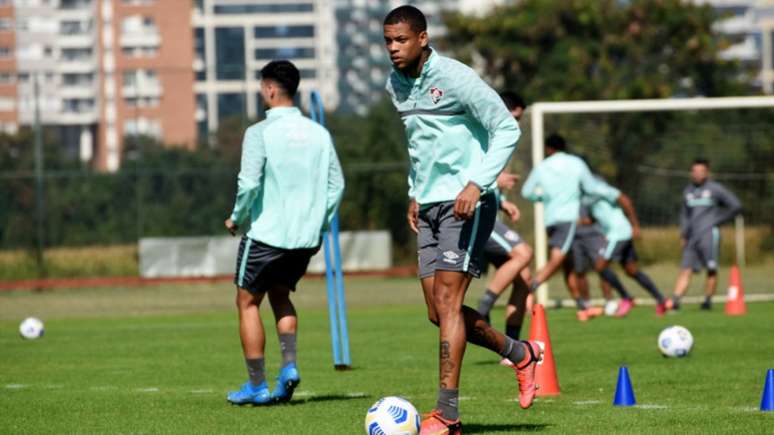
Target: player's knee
(432,317)
(522,251)
(631,269)
(243,299)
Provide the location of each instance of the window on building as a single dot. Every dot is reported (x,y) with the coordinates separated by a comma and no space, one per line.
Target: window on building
(284,53)
(230,50)
(6,24)
(136,25)
(76,54)
(201,54)
(138,2)
(264,8)
(6,52)
(6,77)
(231,105)
(283,32)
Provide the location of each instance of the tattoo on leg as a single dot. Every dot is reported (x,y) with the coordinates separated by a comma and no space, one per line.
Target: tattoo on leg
(479,332)
(447,366)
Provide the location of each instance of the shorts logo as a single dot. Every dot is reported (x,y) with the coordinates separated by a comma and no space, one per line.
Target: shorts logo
(512,236)
(436,94)
(450,257)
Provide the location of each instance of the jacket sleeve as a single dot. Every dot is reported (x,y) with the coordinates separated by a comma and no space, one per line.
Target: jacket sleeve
(731,204)
(685,229)
(483,104)
(529,190)
(335,185)
(250,179)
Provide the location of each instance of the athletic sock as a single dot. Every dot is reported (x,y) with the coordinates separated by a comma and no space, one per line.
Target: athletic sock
(487,302)
(676,302)
(255,370)
(513,331)
(448,403)
(288,348)
(581,304)
(613,280)
(707,301)
(647,284)
(513,350)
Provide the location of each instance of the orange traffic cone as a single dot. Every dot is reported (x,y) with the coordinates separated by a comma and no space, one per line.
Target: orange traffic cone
(545,375)
(735,305)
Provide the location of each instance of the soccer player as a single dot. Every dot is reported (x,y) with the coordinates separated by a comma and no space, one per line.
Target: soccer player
(707,204)
(460,137)
(581,259)
(287,161)
(558,182)
(507,251)
(614,211)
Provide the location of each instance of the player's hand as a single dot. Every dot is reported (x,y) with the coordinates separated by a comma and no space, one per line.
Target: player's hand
(585,220)
(413,216)
(511,209)
(231,226)
(466,202)
(635,232)
(506,180)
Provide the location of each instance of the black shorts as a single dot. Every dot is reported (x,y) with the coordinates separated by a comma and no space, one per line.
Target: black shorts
(585,249)
(260,267)
(500,244)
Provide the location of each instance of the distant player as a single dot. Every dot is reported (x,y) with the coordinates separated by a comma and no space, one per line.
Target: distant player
(507,251)
(460,137)
(707,204)
(287,161)
(581,259)
(558,181)
(615,213)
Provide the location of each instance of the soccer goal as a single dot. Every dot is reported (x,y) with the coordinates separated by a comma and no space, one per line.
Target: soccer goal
(653,143)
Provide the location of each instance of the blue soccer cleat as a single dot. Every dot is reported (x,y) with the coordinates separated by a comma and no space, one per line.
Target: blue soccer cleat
(287,381)
(251,395)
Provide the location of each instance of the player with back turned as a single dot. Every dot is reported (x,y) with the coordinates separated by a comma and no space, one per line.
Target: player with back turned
(460,137)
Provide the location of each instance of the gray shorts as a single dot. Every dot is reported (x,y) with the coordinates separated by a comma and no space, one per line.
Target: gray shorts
(586,250)
(446,243)
(500,244)
(561,235)
(621,251)
(702,251)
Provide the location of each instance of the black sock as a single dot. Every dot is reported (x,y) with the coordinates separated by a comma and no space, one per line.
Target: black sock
(513,331)
(533,285)
(255,370)
(613,280)
(647,284)
(448,403)
(486,302)
(707,300)
(513,350)
(288,348)
(581,304)
(676,301)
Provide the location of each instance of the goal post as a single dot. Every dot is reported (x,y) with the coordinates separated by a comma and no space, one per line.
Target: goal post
(537,114)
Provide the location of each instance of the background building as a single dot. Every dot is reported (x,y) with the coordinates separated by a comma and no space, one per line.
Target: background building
(234,39)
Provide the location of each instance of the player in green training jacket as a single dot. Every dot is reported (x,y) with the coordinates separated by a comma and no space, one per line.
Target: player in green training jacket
(289,188)
(460,137)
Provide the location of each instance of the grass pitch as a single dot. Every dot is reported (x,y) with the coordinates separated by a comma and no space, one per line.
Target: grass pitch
(161,359)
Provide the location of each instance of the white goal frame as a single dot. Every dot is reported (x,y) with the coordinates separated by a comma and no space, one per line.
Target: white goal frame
(539,110)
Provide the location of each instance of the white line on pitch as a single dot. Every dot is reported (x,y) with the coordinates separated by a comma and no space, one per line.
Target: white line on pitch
(147,390)
(15,386)
(206,391)
(357,394)
(587,402)
(303,394)
(651,406)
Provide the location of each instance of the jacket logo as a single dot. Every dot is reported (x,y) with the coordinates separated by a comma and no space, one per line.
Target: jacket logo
(436,94)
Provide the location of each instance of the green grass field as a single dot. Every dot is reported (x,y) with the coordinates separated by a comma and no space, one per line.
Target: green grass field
(161,359)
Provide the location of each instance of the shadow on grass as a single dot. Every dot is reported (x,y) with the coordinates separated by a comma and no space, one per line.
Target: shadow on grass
(329,398)
(503,428)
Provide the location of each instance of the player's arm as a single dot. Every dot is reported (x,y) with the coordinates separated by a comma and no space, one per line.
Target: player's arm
(506,180)
(731,204)
(685,229)
(335,183)
(249,181)
(628,208)
(510,209)
(529,190)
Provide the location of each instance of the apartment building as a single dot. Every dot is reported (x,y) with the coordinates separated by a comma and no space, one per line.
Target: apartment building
(234,39)
(9,121)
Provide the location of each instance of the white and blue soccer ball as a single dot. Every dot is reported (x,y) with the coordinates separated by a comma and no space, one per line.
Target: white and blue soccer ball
(675,341)
(31,328)
(392,416)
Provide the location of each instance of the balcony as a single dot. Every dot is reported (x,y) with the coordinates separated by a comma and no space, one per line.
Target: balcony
(77,65)
(137,91)
(140,40)
(78,90)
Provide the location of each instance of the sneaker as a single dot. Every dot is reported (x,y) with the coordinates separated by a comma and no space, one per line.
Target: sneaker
(250,394)
(582,315)
(661,309)
(435,424)
(624,307)
(595,311)
(287,381)
(525,373)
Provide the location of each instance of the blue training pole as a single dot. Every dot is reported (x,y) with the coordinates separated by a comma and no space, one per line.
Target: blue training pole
(337,308)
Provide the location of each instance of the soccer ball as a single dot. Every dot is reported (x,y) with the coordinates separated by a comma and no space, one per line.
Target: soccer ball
(31,328)
(611,307)
(675,341)
(392,416)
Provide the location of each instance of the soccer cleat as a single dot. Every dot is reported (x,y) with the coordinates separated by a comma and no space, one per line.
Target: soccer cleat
(435,424)
(661,309)
(525,373)
(287,381)
(250,394)
(582,315)
(624,307)
(595,311)
(506,362)
(706,305)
